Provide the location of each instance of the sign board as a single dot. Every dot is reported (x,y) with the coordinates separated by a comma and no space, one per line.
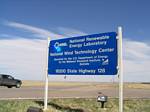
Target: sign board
(84,55)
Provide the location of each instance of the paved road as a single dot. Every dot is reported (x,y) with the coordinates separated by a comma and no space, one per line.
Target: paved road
(67,92)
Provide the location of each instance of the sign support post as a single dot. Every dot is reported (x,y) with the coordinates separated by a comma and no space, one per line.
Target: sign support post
(67,56)
(46,76)
(120,59)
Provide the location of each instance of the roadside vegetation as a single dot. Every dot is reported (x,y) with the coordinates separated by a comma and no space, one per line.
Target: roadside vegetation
(87,84)
(76,105)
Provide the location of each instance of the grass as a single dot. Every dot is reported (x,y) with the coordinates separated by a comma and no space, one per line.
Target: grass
(137,86)
(83,84)
(76,105)
(42,83)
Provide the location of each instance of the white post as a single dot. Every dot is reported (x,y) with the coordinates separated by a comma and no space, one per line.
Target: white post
(46,77)
(120,69)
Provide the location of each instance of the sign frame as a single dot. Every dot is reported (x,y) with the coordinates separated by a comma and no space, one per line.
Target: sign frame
(120,72)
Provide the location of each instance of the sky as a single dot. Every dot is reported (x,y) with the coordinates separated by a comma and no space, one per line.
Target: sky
(26,24)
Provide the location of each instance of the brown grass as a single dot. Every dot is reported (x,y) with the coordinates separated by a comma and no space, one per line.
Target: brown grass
(88,85)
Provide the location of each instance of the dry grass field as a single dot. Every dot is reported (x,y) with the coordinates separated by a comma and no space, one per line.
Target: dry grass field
(88,84)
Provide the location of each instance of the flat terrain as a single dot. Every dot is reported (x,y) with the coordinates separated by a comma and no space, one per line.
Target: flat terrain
(76,105)
(35,90)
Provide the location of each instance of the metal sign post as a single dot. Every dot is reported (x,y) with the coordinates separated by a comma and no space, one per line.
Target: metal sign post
(120,72)
(46,76)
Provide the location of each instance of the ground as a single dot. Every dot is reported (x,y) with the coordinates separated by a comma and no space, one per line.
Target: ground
(35,90)
(75,97)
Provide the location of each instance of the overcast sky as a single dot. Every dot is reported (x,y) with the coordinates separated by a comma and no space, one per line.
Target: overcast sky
(26,24)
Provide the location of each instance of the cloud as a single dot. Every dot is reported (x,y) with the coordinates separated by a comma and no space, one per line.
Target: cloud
(136,50)
(40,33)
(136,60)
(26,57)
(23,58)
(69,32)
(36,31)
(8,36)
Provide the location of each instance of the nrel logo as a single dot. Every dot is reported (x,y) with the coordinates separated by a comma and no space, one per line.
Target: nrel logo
(58,46)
